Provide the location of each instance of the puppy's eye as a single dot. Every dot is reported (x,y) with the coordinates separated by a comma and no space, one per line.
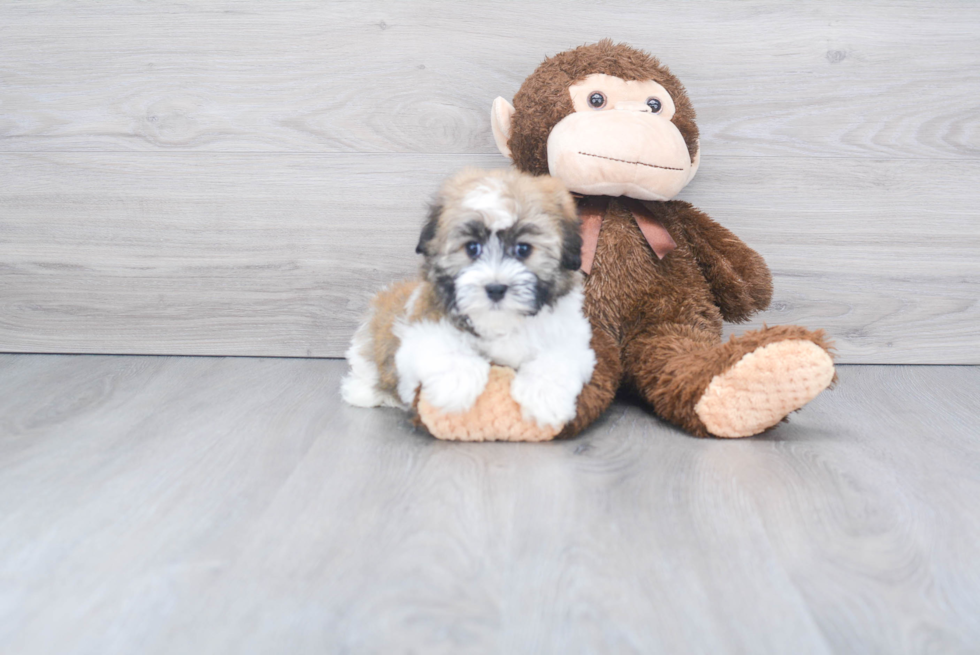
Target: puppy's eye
(473,249)
(523,250)
(654,105)
(597,100)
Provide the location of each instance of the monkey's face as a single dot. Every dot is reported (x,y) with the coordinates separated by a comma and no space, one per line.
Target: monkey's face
(620,141)
(605,119)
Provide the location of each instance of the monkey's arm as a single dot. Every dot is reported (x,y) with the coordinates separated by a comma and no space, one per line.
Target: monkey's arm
(740,280)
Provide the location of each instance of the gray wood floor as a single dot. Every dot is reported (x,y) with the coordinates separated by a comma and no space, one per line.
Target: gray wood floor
(235,505)
(237,178)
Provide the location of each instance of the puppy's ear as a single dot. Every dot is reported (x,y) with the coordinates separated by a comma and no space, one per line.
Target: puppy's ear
(429,229)
(571,242)
(571,245)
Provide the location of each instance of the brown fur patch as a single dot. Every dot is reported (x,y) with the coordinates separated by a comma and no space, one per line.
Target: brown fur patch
(600,391)
(657,323)
(387,307)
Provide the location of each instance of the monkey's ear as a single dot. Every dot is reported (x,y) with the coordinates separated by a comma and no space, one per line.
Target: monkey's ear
(500,115)
(429,229)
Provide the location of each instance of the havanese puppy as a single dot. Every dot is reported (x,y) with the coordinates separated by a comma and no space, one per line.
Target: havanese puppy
(500,285)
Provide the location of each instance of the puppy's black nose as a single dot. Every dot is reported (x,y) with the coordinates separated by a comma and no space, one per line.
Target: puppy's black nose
(496,291)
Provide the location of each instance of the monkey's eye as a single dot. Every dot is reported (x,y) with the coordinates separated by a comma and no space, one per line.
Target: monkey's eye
(473,249)
(597,100)
(654,105)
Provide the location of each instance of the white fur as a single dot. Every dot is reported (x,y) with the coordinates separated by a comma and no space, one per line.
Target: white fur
(360,386)
(443,361)
(552,356)
(550,352)
(494,266)
(488,200)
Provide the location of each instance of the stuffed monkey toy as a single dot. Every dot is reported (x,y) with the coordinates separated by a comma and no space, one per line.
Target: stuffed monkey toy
(618,129)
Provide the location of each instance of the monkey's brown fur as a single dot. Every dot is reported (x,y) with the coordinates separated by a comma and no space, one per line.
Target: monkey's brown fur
(543,99)
(657,324)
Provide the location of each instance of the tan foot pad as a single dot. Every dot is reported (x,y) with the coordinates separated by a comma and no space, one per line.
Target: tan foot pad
(763,387)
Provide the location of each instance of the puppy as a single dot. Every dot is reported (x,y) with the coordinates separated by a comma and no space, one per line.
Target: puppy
(500,284)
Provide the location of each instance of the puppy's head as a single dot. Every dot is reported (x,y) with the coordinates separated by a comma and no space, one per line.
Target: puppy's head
(501,243)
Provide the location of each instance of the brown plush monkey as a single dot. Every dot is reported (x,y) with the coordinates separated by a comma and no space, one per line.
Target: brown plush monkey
(618,128)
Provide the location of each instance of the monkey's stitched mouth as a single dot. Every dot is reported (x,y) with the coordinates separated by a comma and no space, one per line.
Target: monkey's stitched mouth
(667,168)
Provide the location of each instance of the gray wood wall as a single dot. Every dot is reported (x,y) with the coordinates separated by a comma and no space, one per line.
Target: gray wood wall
(238,177)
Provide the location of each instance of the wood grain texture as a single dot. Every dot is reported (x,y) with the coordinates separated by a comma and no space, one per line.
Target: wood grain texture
(226,177)
(768,78)
(162,505)
(278,254)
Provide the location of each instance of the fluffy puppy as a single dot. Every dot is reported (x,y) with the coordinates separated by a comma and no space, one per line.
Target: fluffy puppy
(500,284)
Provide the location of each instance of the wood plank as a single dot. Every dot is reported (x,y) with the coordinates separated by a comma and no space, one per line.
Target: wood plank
(768,78)
(278,254)
(167,505)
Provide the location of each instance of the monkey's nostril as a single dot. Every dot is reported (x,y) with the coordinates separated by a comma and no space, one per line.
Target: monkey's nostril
(496,291)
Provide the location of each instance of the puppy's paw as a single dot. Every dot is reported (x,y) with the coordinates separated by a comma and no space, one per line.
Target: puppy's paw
(455,387)
(545,399)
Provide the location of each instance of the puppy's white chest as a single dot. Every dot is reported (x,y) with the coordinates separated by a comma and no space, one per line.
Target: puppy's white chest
(508,350)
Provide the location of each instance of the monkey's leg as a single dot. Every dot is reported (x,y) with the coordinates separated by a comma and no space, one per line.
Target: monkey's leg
(733,389)
(598,393)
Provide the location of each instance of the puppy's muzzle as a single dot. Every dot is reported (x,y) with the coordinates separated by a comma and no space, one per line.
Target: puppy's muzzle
(496,291)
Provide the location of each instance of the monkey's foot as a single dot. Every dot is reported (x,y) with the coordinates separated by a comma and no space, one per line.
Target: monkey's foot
(763,387)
